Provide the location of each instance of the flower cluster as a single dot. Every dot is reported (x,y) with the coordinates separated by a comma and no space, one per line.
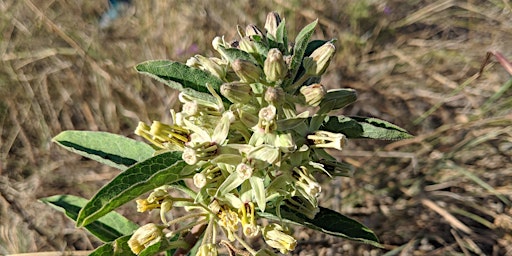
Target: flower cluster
(251,150)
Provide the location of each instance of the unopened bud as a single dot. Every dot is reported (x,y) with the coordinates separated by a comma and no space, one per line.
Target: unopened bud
(144,237)
(246,70)
(277,237)
(253,30)
(275,68)
(272,22)
(313,94)
(247,45)
(211,65)
(319,60)
(274,94)
(236,92)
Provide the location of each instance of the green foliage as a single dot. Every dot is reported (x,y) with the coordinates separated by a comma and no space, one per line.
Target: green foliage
(162,169)
(364,128)
(329,222)
(107,148)
(107,228)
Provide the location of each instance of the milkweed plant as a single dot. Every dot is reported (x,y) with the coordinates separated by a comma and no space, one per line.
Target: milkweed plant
(240,155)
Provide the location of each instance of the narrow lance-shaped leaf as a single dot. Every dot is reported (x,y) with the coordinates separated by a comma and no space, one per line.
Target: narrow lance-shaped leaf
(364,127)
(329,222)
(301,42)
(162,169)
(107,228)
(107,148)
(181,77)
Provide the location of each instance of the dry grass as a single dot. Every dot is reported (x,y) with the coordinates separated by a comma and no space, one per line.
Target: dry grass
(414,63)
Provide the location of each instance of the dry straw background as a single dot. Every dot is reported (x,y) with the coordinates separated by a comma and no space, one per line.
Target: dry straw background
(416,63)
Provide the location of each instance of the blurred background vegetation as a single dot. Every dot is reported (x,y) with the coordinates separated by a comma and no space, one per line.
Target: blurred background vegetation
(416,63)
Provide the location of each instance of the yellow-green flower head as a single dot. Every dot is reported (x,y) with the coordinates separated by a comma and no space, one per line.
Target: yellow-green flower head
(228,219)
(199,180)
(319,60)
(244,171)
(267,117)
(144,237)
(207,250)
(248,220)
(276,237)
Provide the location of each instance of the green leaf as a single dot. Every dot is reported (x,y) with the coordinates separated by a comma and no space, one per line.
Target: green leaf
(329,222)
(111,149)
(119,247)
(301,43)
(336,99)
(181,77)
(282,37)
(364,127)
(107,228)
(159,170)
(233,54)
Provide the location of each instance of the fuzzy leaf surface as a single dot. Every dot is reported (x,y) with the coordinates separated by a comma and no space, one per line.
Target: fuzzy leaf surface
(301,43)
(159,170)
(107,228)
(364,127)
(181,77)
(107,148)
(329,222)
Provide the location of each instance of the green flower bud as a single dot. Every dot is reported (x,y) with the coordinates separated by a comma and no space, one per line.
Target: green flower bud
(277,237)
(211,65)
(237,92)
(272,22)
(246,70)
(275,68)
(313,94)
(285,142)
(247,45)
(144,237)
(274,94)
(319,60)
(253,30)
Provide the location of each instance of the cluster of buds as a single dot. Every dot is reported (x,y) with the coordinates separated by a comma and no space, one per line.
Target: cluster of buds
(251,149)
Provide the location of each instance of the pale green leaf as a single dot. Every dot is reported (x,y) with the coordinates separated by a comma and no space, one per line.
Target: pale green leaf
(301,43)
(107,228)
(107,148)
(364,127)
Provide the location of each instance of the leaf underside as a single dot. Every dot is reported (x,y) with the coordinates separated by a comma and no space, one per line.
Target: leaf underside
(111,149)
